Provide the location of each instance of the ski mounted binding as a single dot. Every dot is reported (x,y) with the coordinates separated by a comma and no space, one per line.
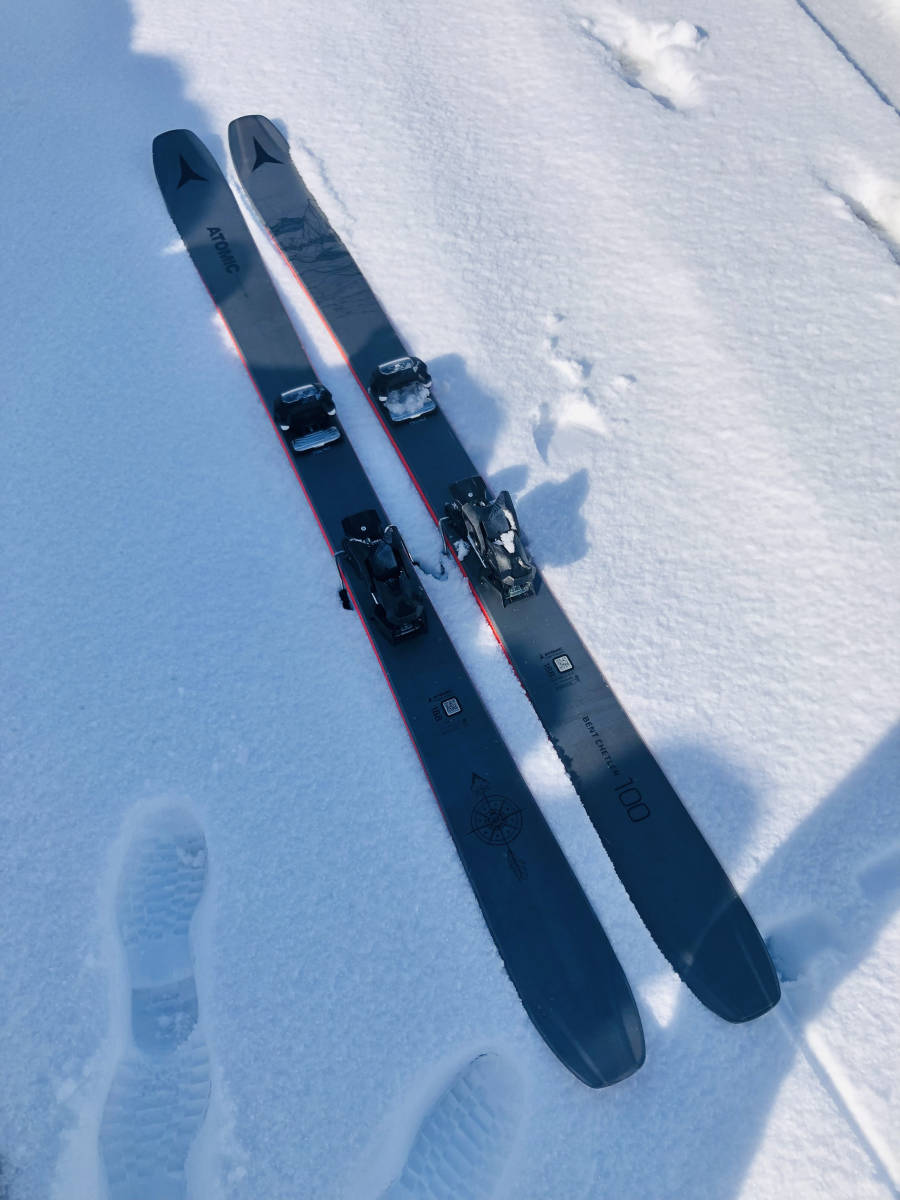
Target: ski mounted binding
(305,417)
(490,528)
(380,559)
(403,386)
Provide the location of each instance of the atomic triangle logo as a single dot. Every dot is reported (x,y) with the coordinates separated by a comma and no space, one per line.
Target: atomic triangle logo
(262,156)
(188,173)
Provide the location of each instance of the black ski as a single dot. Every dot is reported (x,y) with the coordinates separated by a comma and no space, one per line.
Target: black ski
(552,944)
(672,876)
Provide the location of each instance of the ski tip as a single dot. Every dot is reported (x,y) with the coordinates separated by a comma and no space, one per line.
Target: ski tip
(255,141)
(180,159)
(164,143)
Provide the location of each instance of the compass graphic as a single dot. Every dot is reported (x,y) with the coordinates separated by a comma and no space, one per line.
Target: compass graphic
(496,820)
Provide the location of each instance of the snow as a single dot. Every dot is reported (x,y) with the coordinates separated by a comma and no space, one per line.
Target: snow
(409,402)
(650,254)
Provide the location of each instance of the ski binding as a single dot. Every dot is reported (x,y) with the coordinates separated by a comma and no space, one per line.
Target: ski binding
(490,528)
(303,414)
(403,386)
(381,561)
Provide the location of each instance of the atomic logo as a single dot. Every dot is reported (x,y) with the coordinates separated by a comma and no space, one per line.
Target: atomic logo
(188,174)
(263,156)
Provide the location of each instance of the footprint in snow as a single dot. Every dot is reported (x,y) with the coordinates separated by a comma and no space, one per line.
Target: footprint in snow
(661,58)
(160,1091)
(577,407)
(463,1143)
(872,199)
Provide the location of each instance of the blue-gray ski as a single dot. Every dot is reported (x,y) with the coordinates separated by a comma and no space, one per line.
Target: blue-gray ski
(672,876)
(552,944)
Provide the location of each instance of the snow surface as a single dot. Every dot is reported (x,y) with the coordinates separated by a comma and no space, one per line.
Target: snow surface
(651,255)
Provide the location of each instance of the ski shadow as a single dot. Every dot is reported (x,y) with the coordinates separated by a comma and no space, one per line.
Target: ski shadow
(473,411)
(550,513)
(551,516)
(838,877)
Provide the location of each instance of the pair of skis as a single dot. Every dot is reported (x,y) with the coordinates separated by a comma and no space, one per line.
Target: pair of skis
(552,944)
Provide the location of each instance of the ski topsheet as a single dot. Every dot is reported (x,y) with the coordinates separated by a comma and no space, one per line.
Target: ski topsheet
(672,876)
(552,944)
